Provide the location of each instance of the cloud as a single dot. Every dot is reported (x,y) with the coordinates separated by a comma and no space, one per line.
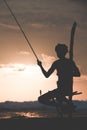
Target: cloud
(84,78)
(45,13)
(12,27)
(80,1)
(12,67)
(38,25)
(35,12)
(47,60)
(24,53)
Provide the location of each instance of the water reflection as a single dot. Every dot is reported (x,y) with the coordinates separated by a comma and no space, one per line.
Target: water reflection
(37,114)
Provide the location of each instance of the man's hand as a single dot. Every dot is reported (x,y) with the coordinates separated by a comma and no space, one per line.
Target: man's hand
(39,63)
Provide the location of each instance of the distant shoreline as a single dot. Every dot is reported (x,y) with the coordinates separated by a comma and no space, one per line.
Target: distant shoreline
(35,105)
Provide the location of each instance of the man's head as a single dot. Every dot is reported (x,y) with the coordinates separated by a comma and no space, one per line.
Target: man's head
(61,50)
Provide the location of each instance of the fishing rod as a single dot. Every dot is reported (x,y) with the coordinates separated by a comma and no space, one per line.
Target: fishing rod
(20,28)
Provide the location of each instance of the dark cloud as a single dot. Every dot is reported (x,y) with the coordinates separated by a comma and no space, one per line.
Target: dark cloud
(46,12)
(80,1)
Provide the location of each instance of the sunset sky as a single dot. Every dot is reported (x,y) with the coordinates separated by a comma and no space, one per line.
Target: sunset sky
(45,23)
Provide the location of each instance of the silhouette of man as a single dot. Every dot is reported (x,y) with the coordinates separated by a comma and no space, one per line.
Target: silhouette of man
(66,70)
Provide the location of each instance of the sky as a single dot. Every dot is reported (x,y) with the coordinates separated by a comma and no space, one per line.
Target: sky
(45,23)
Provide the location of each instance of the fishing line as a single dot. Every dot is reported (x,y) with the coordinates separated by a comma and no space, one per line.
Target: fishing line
(20,28)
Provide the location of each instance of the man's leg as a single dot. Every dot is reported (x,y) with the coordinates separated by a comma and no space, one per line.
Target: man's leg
(47,98)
